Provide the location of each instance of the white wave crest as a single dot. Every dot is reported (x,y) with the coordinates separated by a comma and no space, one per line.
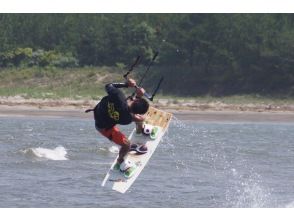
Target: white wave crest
(290,205)
(248,191)
(58,153)
(113,149)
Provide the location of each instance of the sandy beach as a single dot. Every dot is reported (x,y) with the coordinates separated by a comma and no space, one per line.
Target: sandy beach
(19,107)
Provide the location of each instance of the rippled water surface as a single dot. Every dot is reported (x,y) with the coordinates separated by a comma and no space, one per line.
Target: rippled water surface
(48,162)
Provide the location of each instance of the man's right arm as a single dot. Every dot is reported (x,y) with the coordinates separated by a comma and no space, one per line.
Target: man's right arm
(112,88)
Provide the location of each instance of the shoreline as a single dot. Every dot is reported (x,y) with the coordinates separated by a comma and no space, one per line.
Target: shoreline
(209,113)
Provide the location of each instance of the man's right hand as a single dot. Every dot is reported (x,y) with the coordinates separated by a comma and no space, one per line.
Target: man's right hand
(140,91)
(131,82)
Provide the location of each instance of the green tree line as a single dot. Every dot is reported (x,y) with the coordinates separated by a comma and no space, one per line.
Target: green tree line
(216,54)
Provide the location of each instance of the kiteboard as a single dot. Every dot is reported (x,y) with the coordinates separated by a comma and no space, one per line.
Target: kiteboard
(158,121)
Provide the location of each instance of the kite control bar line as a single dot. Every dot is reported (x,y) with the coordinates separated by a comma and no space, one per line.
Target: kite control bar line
(132,67)
(144,75)
(145,94)
(156,89)
(154,57)
(148,96)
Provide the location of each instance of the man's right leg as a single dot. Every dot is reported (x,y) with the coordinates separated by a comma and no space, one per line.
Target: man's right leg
(114,135)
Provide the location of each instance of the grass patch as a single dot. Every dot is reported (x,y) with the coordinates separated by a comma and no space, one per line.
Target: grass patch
(88,83)
(74,83)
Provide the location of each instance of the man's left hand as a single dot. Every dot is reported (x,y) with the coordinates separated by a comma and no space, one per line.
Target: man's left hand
(139,118)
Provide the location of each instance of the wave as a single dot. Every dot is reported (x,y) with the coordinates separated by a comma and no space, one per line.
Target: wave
(58,153)
(113,149)
(290,205)
(248,191)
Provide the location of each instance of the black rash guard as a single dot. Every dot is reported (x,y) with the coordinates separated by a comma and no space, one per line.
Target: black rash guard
(113,108)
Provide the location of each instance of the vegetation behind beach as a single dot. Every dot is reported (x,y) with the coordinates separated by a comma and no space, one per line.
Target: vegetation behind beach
(200,55)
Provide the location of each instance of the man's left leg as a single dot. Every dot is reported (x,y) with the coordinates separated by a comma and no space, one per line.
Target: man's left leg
(139,127)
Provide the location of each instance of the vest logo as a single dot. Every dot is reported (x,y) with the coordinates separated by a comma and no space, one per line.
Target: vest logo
(111,112)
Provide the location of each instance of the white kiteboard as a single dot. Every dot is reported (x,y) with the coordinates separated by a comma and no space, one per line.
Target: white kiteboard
(115,179)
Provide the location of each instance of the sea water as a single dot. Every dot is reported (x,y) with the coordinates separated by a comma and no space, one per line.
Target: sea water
(61,162)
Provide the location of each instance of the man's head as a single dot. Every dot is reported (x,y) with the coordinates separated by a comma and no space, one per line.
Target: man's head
(139,106)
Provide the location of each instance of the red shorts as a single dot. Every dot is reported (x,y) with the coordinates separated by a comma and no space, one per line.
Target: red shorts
(114,135)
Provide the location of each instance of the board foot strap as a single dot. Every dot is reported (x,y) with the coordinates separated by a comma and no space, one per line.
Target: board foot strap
(139,149)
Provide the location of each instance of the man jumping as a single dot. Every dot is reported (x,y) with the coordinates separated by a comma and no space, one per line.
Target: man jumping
(115,109)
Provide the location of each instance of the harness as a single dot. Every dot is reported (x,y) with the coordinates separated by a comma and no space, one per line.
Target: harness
(90,110)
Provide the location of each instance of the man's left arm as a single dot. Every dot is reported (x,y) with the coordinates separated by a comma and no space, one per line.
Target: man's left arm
(138,118)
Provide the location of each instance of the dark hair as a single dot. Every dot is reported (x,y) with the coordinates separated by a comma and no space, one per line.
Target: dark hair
(140,106)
